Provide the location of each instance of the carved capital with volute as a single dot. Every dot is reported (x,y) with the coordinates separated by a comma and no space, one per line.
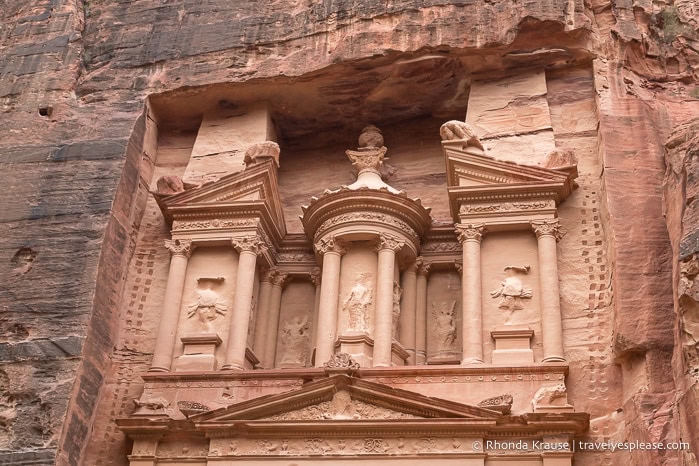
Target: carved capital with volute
(269,274)
(548,227)
(470,232)
(331,245)
(389,242)
(179,247)
(251,244)
(423,267)
(315,276)
(279,279)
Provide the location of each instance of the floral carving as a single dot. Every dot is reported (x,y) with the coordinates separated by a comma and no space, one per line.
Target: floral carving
(251,244)
(212,224)
(341,361)
(179,247)
(548,228)
(506,206)
(389,242)
(470,232)
(331,244)
(367,217)
(423,267)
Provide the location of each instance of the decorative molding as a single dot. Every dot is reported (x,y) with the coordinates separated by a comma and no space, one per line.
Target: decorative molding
(470,232)
(179,247)
(447,247)
(215,224)
(506,206)
(363,216)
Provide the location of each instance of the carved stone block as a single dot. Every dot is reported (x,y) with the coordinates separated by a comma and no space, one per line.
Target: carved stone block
(199,353)
(513,345)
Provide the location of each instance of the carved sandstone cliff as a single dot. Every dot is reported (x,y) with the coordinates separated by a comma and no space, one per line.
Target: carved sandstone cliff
(78,153)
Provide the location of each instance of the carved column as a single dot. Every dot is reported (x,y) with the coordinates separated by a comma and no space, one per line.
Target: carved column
(471,299)
(248,247)
(548,233)
(262,322)
(272,330)
(407,312)
(315,279)
(423,270)
(165,342)
(332,250)
(383,322)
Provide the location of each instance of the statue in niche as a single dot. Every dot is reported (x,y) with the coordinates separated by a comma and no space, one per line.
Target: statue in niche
(397,293)
(357,306)
(209,304)
(294,341)
(512,290)
(444,327)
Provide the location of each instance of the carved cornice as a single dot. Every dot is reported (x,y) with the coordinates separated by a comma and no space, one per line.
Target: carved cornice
(331,245)
(470,232)
(179,247)
(251,244)
(548,228)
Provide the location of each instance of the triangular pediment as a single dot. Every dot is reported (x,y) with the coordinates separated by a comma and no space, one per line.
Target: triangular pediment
(467,167)
(344,398)
(251,193)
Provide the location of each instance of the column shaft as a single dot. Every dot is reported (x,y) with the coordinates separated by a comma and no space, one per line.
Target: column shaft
(421,312)
(172,301)
(407,313)
(547,234)
(263,313)
(471,290)
(332,251)
(270,352)
(384,308)
(244,287)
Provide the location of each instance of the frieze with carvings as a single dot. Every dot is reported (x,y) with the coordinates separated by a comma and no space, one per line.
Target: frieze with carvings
(315,446)
(441,247)
(342,406)
(506,206)
(367,217)
(214,224)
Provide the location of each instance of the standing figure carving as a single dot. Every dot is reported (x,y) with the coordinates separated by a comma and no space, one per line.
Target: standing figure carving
(295,341)
(444,327)
(512,290)
(397,293)
(357,306)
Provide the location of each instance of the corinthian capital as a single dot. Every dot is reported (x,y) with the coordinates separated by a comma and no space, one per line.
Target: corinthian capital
(423,267)
(470,231)
(548,228)
(389,242)
(315,276)
(179,247)
(248,244)
(331,245)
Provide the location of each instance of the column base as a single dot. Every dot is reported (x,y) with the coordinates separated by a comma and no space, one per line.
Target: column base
(250,362)
(554,359)
(199,353)
(513,345)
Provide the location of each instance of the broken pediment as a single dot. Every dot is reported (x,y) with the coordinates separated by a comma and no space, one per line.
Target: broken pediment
(485,190)
(249,195)
(343,397)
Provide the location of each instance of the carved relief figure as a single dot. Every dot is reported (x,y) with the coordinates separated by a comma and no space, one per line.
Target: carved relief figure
(512,290)
(397,292)
(294,341)
(208,307)
(357,306)
(444,327)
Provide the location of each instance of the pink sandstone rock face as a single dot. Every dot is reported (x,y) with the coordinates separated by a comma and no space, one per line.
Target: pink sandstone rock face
(99,100)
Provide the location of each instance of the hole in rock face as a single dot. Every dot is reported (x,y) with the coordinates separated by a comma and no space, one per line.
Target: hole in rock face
(45,111)
(23,261)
